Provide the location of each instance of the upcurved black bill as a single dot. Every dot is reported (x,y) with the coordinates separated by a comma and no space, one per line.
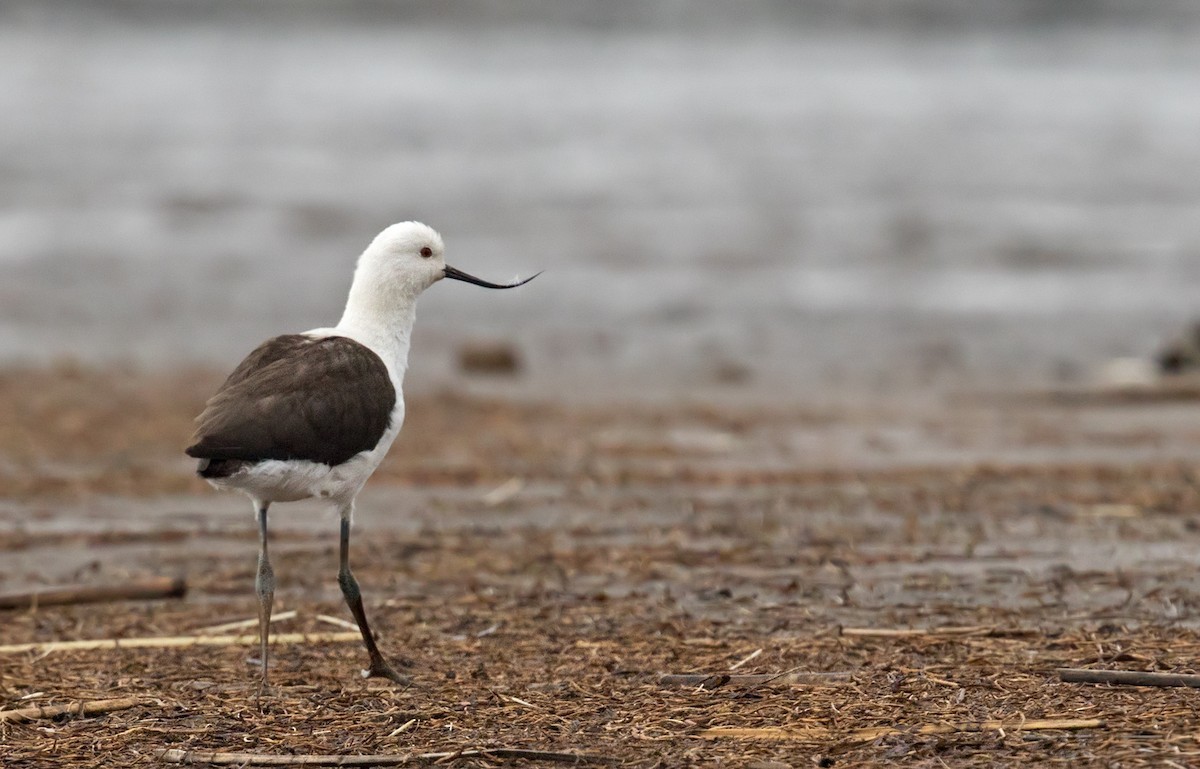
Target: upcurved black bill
(460,275)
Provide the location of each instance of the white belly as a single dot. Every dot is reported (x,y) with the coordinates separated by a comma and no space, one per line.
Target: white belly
(288,480)
(291,480)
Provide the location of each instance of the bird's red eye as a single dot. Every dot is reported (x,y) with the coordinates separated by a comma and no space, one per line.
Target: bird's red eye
(426,252)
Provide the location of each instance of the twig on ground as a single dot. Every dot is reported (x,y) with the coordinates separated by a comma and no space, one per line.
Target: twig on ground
(816,734)
(1127,678)
(968,630)
(176,756)
(504,492)
(744,660)
(793,678)
(73,708)
(134,590)
(239,624)
(168,642)
(404,727)
(1034,725)
(336,621)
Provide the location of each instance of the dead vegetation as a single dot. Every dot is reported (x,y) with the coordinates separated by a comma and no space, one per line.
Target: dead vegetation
(671,587)
(566,674)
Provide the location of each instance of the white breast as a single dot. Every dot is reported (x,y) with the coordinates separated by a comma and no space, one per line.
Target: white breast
(288,480)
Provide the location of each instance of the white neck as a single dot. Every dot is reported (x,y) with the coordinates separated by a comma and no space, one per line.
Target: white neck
(380,314)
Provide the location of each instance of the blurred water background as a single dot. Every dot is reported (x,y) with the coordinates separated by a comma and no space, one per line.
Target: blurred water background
(760,195)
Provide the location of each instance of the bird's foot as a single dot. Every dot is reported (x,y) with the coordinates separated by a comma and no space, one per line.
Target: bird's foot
(258,694)
(381,669)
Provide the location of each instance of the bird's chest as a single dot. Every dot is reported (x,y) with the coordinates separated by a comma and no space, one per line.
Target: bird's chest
(290,480)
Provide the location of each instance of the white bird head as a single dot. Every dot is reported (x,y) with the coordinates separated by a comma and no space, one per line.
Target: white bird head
(401,262)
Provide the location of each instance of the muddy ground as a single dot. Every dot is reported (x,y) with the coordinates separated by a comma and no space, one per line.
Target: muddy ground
(541,565)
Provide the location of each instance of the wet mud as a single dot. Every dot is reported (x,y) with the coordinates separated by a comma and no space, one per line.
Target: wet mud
(542,564)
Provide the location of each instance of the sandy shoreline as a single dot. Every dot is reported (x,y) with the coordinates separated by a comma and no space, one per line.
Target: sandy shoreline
(565,554)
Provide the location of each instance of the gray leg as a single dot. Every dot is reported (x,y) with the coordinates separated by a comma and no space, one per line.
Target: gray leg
(264,585)
(379,666)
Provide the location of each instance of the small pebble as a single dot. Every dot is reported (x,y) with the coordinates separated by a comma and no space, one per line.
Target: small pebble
(489,357)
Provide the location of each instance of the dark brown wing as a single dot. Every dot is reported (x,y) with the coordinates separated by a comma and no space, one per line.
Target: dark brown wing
(270,351)
(294,397)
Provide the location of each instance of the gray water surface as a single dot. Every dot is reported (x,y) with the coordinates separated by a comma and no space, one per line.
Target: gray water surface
(834,204)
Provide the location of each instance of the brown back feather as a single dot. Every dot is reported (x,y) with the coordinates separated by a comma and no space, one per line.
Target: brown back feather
(294,397)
